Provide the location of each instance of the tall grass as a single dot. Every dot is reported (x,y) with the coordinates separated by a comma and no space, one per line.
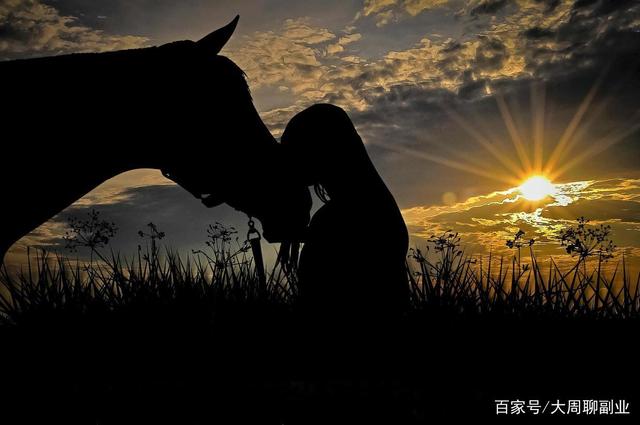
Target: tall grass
(167,337)
(223,277)
(453,281)
(195,284)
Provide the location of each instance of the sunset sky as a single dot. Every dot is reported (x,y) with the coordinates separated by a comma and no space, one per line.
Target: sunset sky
(458,102)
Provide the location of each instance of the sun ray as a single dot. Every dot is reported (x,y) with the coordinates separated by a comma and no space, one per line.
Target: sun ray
(513,132)
(570,130)
(597,147)
(460,157)
(538,98)
(486,144)
(447,162)
(463,158)
(583,133)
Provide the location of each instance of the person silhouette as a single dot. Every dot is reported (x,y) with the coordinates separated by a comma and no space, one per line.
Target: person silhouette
(353,263)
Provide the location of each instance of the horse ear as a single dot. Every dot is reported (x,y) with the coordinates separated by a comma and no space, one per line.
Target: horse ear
(215,41)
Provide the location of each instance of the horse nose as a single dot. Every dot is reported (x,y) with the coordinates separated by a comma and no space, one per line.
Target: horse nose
(288,215)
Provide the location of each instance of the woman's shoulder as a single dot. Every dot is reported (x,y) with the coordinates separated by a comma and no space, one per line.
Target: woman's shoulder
(386,221)
(331,218)
(324,213)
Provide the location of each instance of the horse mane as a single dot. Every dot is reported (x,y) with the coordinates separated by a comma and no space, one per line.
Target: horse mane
(235,74)
(25,71)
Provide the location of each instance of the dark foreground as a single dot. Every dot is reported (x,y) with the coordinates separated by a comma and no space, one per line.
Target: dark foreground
(270,365)
(155,341)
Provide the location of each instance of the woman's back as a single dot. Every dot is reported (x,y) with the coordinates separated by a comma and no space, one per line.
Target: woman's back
(354,260)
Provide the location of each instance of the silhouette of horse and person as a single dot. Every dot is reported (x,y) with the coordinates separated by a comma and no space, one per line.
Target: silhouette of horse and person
(71,122)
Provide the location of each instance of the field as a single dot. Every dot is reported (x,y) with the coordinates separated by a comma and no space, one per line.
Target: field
(200,338)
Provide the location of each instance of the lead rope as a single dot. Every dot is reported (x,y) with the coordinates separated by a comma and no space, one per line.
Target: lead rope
(253,236)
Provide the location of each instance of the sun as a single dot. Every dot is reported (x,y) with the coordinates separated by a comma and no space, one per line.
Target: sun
(536,188)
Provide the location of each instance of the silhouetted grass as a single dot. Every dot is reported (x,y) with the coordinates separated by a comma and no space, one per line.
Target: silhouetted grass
(202,282)
(510,287)
(194,284)
(196,338)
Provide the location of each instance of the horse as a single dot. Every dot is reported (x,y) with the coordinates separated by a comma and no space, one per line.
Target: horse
(72,121)
(353,263)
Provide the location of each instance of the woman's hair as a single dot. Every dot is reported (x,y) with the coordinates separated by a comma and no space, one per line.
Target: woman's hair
(322,144)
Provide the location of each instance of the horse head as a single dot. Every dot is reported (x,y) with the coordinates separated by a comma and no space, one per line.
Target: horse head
(236,160)
(180,107)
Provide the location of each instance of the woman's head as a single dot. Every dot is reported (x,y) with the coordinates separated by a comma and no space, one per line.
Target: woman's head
(323,146)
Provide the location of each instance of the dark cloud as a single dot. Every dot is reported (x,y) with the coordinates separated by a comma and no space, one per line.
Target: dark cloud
(579,4)
(487,7)
(597,34)
(603,7)
(538,33)
(490,54)
(30,28)
(551,5)
(452,46)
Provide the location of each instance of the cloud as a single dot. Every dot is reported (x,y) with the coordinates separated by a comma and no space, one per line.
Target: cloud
(486,222)
(487,7)
(276,57)
(300,31)
(532,40)
(375,6)
(588,37)
(415,7)
(305,58)
(342,41)
(386,17)
(112,191)
(176,212)
(324,73)
(286,56)
(387,11)
(30,28)
(428,140)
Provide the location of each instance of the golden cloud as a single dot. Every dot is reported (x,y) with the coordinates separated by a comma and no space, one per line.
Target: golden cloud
(315,64)
(486,221)
(30,26)
(376,6)
(342,41)
(415,7)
